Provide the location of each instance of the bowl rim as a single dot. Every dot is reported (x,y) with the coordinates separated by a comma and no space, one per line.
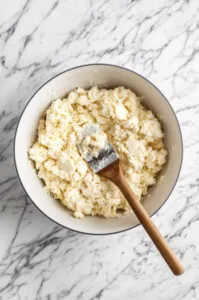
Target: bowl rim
(106,65)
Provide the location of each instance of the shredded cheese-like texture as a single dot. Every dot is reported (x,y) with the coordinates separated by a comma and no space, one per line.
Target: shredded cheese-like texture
(93,143)
(134,132)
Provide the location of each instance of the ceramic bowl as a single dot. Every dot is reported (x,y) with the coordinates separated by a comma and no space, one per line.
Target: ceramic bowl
(106,76)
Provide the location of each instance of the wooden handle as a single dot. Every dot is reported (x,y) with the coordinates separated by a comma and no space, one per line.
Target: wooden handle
(114,173)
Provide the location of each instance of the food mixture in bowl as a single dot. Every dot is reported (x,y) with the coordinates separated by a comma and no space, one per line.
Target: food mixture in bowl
(134,132)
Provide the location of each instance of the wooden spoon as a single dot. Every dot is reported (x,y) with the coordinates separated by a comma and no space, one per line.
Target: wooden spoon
(107,164)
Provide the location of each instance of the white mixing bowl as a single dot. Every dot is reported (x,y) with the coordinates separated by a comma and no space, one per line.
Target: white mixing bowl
(106,76)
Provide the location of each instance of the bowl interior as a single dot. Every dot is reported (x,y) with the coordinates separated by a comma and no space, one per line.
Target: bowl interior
(106,76)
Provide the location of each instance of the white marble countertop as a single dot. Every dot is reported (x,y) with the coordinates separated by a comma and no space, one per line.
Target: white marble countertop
(38,39)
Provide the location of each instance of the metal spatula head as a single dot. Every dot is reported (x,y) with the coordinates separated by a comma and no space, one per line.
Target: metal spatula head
(106,155)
